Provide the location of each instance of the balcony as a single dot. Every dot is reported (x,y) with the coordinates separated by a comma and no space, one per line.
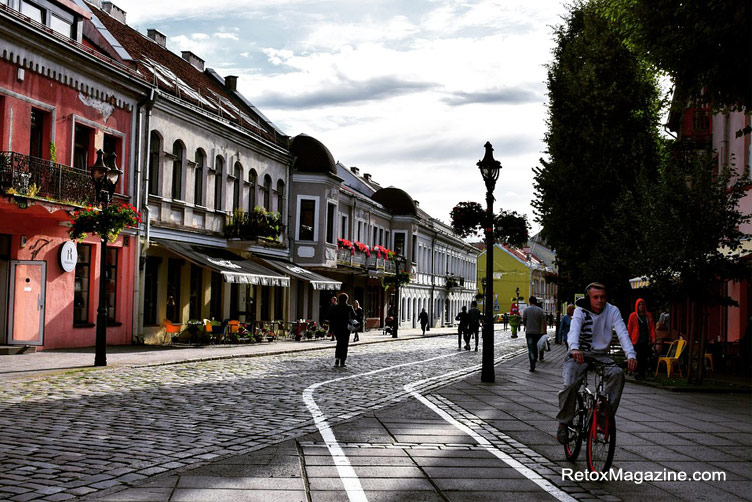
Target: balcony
(256,224)
(375,263)
(43,179)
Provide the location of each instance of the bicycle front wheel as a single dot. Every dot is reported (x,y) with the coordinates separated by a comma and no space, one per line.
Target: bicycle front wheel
(572,448)
(601,438)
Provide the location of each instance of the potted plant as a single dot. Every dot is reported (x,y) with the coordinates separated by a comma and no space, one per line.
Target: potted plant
(107,222)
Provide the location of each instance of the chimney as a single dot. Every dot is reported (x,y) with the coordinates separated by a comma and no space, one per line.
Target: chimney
(367,176)
(114,11)
(196,61)
(157,36)
(355,170)
(231,82)
(417,204)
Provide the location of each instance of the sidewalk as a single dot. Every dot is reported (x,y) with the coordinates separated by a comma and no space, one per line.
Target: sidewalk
(474,441)
(52,361)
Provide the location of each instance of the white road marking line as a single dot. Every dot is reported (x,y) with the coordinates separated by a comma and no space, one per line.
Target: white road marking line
(530,474)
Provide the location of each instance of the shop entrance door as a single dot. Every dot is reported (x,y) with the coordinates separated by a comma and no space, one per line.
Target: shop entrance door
(27,300)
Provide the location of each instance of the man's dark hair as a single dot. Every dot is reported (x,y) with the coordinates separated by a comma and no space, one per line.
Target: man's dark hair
(533,300)
(343,298)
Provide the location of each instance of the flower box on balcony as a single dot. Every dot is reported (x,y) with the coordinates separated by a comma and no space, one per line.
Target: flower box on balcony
(258,223)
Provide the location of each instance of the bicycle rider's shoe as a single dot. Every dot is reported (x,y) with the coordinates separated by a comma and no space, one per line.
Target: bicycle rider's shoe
(562,433)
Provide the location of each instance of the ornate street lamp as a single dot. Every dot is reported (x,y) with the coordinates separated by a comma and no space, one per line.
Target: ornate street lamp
(489,169)
(399,263)
(106,177)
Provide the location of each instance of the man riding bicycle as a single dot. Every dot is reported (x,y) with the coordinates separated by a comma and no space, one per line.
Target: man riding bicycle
(589,337)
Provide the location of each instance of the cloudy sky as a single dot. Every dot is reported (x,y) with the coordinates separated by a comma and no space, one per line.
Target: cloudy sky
(408,91)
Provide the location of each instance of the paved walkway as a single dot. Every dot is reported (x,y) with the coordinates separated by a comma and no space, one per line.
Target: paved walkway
(473,441)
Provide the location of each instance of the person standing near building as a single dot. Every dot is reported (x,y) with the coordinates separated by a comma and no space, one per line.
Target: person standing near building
(534,320)
(423,317)
(359,319)
(641,329)
(566,321)
(474,323)
(463,318)
(341,314)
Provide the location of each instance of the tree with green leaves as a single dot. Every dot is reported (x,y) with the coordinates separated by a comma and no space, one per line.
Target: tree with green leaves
(705,46)
(603,147)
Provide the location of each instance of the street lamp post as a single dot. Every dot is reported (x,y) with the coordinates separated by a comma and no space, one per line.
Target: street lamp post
(483,283)
(105,179)
(399,262)
(489,169)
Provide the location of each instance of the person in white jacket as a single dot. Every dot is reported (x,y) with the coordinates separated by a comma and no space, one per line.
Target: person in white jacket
(589,338)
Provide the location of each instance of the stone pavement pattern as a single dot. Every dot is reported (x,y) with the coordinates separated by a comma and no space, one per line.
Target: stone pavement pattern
(407,452)
(69,434)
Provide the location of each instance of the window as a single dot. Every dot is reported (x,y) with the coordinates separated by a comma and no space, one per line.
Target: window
(81,285)
(219,167)
(381,237)
(155,146)
(267,192)
(238,174)
(399,242)
(215,304)
(252,179)
(281,197)
(82,146)
(306,219)
(343,233)
(177,170)
(151,279)
(331,212)
(32,11)
(36,139)
(110,288)
(61,25)
(413,251)
(197,291)
(173,311)
(198,187)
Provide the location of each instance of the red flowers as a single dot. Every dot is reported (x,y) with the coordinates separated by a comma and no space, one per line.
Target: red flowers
(106,222)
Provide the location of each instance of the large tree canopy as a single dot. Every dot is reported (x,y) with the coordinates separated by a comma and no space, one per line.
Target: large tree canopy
(602,146)
(704,45)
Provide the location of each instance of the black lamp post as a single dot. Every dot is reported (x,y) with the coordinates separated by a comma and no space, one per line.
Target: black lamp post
(489,169)
(399,262)
(105,178)
(517,298)
(483,283)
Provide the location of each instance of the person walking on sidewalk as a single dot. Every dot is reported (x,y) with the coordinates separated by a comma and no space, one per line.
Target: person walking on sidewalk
(340,315)
(641,329)
(566,321)
(534,320)
(423,317)
(462,332)
(358,319)
(589,338)
(473,323)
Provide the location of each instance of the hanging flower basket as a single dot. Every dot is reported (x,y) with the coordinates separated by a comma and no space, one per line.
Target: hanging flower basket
(107,222)
(467,218)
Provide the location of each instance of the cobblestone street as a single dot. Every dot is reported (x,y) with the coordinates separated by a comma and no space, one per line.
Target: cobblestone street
(75,433)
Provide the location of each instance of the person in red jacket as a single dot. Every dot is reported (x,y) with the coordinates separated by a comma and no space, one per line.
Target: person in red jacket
(641,329)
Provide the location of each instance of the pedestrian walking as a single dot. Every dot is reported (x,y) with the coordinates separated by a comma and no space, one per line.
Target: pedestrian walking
(473,324)
(563,332)
(423,317)
(463,318)
(358,319)
(332,304)
(534,321)
(505,321)
(642,333)
(339,317)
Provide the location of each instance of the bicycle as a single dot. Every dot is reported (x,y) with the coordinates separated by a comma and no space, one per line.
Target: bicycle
(594,420)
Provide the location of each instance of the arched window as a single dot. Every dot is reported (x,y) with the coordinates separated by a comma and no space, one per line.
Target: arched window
(238,174)
(281,197)
(155,146)
(198,187)
(252,179)
(267,192)
(219,167)
(177,170)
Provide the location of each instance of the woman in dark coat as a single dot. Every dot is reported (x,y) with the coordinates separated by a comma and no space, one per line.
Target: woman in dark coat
(339,316)
(359,318)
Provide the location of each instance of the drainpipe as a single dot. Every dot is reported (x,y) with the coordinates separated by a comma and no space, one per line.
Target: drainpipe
(433,273)
(145,105)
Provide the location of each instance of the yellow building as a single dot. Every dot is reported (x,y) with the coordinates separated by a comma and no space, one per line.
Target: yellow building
(517,268)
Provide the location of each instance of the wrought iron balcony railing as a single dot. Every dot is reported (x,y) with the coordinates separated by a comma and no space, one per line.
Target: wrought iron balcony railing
(34,177)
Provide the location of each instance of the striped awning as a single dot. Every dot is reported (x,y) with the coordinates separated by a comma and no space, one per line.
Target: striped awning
(639,282)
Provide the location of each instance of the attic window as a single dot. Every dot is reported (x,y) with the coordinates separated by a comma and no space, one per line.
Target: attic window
(49,14)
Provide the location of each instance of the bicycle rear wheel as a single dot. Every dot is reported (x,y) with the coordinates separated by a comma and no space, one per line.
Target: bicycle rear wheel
(601,438)
(576,431)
